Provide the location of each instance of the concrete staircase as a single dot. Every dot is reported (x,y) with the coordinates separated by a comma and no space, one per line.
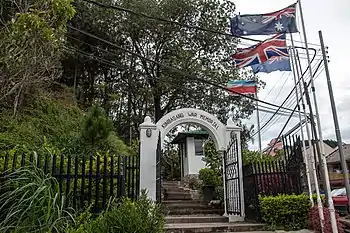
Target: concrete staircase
(185,215)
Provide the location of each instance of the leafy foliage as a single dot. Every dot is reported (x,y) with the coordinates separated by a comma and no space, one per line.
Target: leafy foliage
(212,158)
(131,88)
(30,47)
(54,127)
(31,202)
(288,212)
(209,177)
(214,173)
(142,216)
(44,123)
(250,157)
(314,221)
(171,166)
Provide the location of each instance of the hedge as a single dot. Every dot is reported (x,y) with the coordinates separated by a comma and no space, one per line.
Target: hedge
(287,212)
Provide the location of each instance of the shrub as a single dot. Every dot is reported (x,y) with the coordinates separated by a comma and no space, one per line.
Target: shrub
(314,221)
(141,216)
(31,202)
(323,199)
(209,177)
(251,157)
(288,212)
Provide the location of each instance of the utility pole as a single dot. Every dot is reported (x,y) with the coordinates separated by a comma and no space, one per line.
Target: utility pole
(336,124)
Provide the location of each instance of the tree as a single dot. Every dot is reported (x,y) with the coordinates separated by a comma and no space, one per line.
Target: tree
(132,87)
(30,47)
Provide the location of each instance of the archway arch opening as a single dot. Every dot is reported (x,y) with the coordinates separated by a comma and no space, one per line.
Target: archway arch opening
(210,123)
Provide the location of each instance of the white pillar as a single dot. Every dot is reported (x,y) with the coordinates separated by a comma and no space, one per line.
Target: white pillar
(231,128)
(148,147)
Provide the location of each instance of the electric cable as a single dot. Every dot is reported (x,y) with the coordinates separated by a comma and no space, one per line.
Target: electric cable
(285,125)
(290,103)
(89,55)
(119,8)
(184,74)
(279,117)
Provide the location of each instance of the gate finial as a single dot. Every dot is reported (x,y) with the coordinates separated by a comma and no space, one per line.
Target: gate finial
(147,120)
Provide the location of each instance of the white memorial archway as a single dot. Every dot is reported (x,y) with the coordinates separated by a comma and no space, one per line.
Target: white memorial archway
(220,133)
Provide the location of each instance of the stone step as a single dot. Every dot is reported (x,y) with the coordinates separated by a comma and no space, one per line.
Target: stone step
(177,196)
(192,211)
(180,204)
(212,227)
(171,183)
(165,202)
(195,219)
(174,189)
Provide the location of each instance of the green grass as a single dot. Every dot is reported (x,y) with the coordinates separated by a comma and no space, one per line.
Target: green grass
(31,202)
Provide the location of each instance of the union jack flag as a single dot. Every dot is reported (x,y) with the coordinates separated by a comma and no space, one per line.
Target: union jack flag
(288,12)
(262,52)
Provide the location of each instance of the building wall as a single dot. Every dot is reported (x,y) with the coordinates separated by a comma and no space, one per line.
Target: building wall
(185,162)
(309,150)
(195,163)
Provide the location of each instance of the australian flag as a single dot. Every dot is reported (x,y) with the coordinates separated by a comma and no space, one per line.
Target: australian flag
(282,21)
(267,56)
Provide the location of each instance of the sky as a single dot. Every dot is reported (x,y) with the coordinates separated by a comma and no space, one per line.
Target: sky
(333,18)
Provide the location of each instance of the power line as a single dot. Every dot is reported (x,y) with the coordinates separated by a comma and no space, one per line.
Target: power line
(177,70)
(288,105)
(285,100)
(319,65)
(119,8)
(90,55)
(285,125)
(107,62)
(279,92)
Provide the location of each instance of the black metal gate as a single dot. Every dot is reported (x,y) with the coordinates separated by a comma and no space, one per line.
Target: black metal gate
(233,193)
(159,170)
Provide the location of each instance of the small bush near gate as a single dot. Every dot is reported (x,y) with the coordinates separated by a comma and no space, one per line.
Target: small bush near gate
(141,216)
(288,212)
(209,177)
(314,221)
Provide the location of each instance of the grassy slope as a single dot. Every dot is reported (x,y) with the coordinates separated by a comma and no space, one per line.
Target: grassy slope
(50,122)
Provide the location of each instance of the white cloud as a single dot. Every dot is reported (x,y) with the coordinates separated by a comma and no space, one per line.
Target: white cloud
(333,19)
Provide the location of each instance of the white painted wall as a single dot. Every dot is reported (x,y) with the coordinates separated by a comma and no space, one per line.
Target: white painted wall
(185,158)
(195,163)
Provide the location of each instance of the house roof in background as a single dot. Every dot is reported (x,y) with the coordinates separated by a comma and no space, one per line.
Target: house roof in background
(196,134)
(334,156)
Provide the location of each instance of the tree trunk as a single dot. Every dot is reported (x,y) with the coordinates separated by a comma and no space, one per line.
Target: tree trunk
(157,108)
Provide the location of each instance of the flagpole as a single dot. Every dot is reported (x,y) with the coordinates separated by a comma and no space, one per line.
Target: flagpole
(315,103)
(258,121)
(311,155)
(305,155)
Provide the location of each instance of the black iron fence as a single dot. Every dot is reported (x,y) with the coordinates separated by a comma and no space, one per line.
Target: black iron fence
(159,170)
(270,178)
(233,194)
(84,180)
